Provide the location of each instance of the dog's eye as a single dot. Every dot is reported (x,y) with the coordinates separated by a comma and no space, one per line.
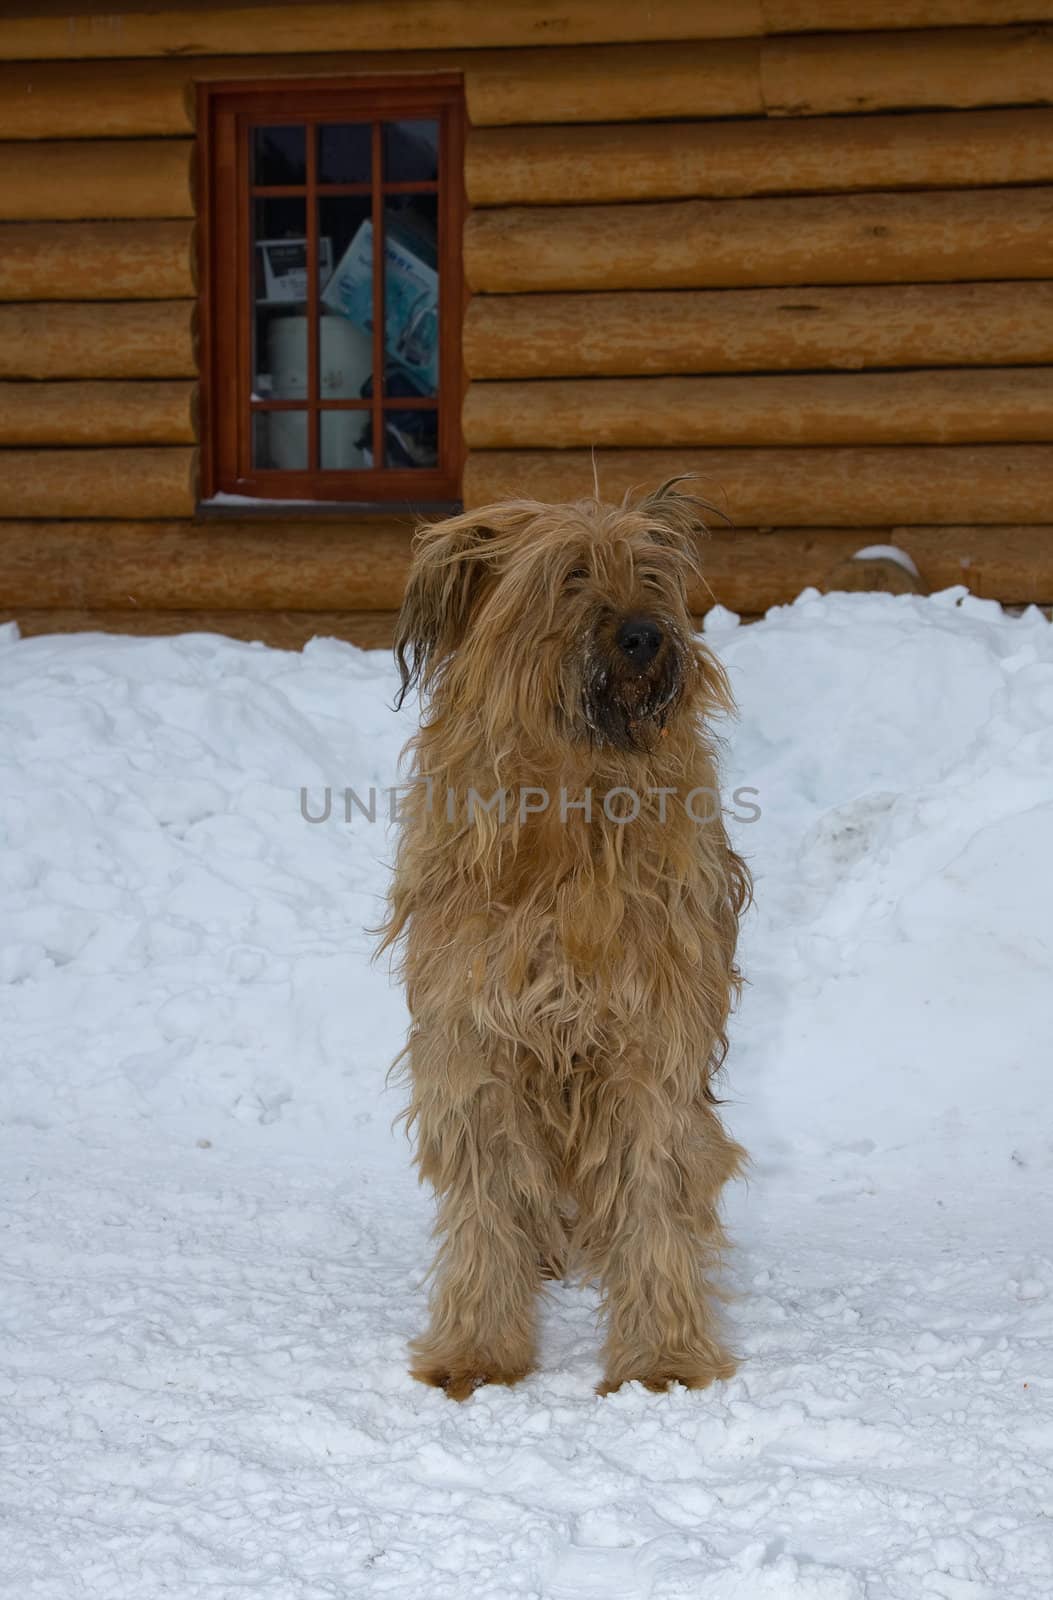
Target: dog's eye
(577,575)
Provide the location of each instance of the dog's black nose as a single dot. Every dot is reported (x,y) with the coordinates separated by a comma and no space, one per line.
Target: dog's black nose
(640,639)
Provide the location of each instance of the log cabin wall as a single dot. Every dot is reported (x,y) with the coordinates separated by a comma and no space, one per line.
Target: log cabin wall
(814,268)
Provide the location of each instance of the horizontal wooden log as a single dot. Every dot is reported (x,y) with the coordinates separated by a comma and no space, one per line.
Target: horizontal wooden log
(868,238)
(753,330)
(96,99)
(97,413)
(934,150)
(616,83)
(791,75)
(96,260)
(133,483)
(282,630)
(149,99)
(833,72)
(995,406)
(593,83)
(784,76)
(748,571)
(212,565)
(147,569)
(188,568)
(134,339)
(794,488)
(59,180)
(78,32)
(378,25)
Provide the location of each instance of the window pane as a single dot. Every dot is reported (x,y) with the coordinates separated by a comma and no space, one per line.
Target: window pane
(411,152)
(345,359)
(411,438)
(346,440)
(280,320)
(281,368)
(345,153)
(279,440)
(411,296)
(346,353)
(279,156)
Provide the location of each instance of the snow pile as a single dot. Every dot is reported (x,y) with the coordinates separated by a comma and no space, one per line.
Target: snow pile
(214,1244)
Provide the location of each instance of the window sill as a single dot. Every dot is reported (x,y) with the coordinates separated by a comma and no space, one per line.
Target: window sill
(236,507)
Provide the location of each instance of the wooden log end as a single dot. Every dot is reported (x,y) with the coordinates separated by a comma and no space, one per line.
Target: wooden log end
(872,574)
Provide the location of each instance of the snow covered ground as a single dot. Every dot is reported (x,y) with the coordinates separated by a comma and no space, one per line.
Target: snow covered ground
(214,1245)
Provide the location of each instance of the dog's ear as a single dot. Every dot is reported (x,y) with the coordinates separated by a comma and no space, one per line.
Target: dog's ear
(449,561)
(678,518)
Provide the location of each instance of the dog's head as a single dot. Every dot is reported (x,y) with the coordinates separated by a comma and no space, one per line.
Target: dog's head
(568,619)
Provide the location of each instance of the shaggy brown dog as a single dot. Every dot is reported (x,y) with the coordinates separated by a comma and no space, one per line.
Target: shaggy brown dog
(570,904)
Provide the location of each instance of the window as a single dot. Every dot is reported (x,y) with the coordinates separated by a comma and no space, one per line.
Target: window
(332,291)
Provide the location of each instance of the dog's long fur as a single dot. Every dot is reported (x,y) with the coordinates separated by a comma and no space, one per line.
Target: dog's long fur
(569,978)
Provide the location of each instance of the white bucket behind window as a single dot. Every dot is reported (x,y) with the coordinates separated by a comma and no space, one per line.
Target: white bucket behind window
(345,363)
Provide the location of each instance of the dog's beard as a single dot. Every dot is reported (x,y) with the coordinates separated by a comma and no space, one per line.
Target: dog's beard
(628,710)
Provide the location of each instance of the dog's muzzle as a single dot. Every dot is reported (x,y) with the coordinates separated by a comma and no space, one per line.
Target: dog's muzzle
(632,680)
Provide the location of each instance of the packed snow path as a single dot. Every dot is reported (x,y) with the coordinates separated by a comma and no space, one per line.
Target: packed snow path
(214,1245)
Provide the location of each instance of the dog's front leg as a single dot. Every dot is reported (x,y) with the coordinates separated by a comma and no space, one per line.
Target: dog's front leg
(651,1175)
(497,1215)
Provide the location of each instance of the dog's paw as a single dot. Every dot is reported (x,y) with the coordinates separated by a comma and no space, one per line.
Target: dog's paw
(661,1378)
(459,1380)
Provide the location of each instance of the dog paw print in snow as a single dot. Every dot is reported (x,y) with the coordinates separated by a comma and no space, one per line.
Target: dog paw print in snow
(264,1108)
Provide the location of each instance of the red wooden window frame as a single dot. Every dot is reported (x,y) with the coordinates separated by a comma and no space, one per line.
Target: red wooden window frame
(228,113)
